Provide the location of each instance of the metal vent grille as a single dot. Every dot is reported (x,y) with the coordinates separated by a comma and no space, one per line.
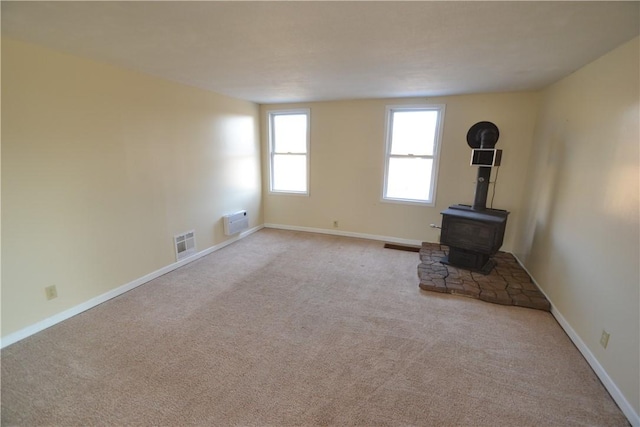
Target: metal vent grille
(185,244)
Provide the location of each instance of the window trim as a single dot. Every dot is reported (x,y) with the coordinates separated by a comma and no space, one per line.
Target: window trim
(390,109)
(270,116)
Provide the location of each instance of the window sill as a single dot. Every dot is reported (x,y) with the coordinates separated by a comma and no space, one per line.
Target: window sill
(430,204)
(289,193)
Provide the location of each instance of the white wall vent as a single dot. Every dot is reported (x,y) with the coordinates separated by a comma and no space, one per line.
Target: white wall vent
(235,222)
(185,244)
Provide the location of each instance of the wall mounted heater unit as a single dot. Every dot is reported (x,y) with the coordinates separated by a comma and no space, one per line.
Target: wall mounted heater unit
(235,222)
(185,244)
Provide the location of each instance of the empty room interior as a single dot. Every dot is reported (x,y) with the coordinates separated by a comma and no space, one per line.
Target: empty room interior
(196,198)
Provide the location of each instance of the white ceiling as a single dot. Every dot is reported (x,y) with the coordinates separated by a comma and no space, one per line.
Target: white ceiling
(270,52)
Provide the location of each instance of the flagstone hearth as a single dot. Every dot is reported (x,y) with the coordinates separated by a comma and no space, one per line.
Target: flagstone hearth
(508,283)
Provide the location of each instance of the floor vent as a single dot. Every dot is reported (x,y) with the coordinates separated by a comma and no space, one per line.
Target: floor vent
(407,248)
(185,244)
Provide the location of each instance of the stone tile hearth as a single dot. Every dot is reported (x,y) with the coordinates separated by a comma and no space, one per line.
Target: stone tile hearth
(507,284)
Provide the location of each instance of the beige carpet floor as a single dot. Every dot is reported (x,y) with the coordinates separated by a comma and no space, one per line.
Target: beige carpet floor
(285,328)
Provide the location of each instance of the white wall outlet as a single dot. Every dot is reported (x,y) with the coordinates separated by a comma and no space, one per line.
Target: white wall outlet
(604,339)
(51,292)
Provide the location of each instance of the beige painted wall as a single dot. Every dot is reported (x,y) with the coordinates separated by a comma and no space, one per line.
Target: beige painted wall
(101,167)
(580,239)
(347,165)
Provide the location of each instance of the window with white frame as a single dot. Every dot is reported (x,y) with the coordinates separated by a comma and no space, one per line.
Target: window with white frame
(412,151)
(289,151)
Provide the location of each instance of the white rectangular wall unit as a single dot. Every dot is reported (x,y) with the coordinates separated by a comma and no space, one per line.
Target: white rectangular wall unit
(235,222)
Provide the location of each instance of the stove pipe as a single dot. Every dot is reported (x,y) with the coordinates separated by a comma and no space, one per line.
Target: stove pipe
(488,139)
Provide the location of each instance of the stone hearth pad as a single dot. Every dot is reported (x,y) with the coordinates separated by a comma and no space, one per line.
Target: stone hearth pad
(507,284)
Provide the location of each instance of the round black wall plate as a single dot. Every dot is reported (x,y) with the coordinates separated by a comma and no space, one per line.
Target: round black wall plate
(490,132)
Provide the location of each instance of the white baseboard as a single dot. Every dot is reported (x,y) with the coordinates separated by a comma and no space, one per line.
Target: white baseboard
(346,234)
(606,380)
(50,321)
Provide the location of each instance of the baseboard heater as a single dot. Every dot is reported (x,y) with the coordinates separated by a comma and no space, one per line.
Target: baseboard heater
(235,222)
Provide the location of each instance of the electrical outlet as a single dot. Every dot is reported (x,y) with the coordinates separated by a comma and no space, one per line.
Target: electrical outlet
(604,339)
(51,292)
(335,223)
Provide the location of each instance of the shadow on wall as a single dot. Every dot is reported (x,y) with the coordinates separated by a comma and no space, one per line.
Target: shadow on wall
(544,189)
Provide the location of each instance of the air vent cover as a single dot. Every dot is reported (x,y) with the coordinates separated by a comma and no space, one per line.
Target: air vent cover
(185,244)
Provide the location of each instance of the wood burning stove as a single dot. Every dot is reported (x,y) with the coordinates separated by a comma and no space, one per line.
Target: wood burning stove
(472,236)
(475,233)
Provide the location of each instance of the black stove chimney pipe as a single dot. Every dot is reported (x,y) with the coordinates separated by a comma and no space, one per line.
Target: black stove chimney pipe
(488,139)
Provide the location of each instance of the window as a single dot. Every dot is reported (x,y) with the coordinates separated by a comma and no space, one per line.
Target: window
(289,151)
(413,146)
